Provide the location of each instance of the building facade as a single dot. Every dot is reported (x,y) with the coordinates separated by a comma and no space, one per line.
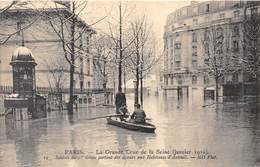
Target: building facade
(198,34)
(29,24)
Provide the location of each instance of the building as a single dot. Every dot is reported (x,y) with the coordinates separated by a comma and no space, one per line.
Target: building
(29,24)
(188,36)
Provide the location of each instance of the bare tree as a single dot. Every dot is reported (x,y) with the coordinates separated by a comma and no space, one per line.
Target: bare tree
(71,31)
(122,42)
(251,58)
(215,54)
(143,56)
(103,58)
(57,78)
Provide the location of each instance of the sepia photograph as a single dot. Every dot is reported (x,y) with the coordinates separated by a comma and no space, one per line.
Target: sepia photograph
(129,83)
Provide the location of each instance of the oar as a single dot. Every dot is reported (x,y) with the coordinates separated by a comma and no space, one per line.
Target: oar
(104,116)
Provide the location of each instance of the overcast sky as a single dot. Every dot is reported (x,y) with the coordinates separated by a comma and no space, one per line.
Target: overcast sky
(156,12)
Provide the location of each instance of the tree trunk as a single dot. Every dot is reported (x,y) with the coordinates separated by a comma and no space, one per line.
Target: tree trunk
(137,72)
(137,86)
(141,88)
(141,78)
(72,67)
(120,51)
(257,90)
(216,82)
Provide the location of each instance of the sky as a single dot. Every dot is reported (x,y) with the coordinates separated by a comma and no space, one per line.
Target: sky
(155,11)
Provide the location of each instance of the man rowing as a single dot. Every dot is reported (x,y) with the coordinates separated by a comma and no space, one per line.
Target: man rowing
(138,115)
(124,112)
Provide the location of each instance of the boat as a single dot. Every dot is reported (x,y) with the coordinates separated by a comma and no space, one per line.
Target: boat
(143,127)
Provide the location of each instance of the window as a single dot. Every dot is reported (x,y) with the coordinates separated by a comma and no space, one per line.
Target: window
(88,41)
(221,4)
(206,61)
(177,35)
(235,77)
(236,13)
(81,65)
(89,100)
(194,79)
(221,15)
(171,42)
(235,46)
(177,46)
(195,10)
(18,28)
(195,21)
(172,27)
(207,7)
(88,68)
(194,50)
(254,11)
(177,64)
(194,63)
(171,80)
(171,52)
(206,34)
(171,65)
(206,80)
(80,100)
(81,85)
(207,49)
(165,80)
(89,84)
(235,31)
(80,42)
(85,100)
(219,32)
(177,57)
(207,19)
(179,80)
(194,37)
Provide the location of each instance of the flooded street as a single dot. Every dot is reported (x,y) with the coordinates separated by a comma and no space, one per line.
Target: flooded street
(229,131)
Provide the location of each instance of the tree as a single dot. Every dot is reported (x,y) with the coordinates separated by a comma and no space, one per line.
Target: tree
(122,42)
(71,30)
(104,61)
(251,58)
(57,77)
(143,56)
(215,54)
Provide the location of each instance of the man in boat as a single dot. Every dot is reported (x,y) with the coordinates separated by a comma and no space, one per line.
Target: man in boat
(124,112)
(120,101)
(138,115)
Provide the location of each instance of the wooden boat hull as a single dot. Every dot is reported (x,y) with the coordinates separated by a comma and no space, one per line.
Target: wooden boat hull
(146,127)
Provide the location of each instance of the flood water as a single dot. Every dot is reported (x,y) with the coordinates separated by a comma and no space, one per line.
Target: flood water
(230,132)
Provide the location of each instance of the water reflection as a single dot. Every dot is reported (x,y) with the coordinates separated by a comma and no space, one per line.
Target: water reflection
(230,130)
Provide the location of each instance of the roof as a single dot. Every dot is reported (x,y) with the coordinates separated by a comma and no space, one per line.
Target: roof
(22,54)
(29,5)
(40,5)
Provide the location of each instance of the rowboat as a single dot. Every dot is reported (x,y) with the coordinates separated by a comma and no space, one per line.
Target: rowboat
(144,127)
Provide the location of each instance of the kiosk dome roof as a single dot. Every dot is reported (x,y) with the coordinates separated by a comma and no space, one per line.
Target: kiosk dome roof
(22,54)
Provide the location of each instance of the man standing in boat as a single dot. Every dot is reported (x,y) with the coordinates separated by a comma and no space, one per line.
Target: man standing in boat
(120,101)
(138,115)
